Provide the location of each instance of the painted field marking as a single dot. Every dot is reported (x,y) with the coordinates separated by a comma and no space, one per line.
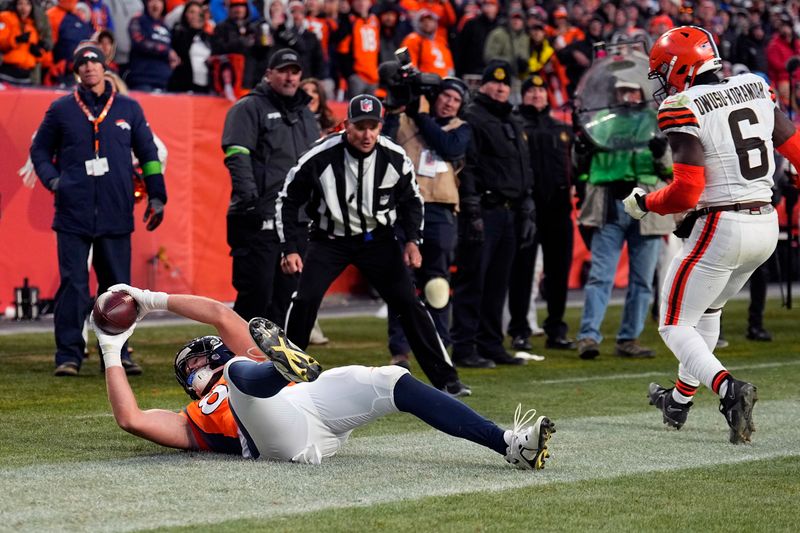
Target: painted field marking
(154,491)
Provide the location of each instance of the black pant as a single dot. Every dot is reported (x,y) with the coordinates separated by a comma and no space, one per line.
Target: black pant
(111,260)
(480,284)
(555,234)
(262,289)
(380,261)
(437,249)
(758,294)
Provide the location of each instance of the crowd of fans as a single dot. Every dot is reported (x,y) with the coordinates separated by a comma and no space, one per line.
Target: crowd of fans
(223,46)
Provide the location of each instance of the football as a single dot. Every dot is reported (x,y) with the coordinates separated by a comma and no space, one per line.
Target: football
(114,312)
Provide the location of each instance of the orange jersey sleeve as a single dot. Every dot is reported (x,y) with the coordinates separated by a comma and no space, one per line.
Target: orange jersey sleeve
(212,421)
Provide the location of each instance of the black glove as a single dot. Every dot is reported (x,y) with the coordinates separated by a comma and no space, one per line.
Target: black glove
(470,220)
(154,213)
(658,146)
(24,37)
(53,184)
(526,216)
(35,50)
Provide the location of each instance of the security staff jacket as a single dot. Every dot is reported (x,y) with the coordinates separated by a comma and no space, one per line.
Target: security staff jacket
(497,163)
(350,193)
(95,205)
(264,136)
(549,145)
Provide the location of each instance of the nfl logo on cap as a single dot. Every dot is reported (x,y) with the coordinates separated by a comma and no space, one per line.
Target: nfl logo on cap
(365,107)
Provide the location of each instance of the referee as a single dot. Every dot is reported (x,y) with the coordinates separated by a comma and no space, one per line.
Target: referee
(356,185)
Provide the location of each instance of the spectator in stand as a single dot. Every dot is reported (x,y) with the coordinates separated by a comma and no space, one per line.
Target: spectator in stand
(443,9)
(472,39)
(358,49)
(783,45)
(686,15)
(20,47)
(323,27)
(658,25)
(106,42)
(578,56)
(564,32)
(237,35)
(218,9)
(100,15)
(326,119)
(303,41)
(152,59)
(750,49)
(394,28)
(544,62)
(68,31)
(193,47)
(510,42)
(428,53)
(669,8)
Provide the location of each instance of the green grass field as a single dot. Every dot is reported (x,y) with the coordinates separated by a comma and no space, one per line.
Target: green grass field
(64,464)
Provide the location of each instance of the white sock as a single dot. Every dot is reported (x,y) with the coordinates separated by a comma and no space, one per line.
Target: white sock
(708,328)
(692,351)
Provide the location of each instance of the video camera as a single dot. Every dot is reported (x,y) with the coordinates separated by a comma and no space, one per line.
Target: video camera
(404,83)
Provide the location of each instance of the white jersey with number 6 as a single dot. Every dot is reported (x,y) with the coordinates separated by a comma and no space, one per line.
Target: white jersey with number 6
(733,120)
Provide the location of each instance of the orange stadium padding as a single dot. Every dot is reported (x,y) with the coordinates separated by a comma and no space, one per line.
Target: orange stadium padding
(188,252)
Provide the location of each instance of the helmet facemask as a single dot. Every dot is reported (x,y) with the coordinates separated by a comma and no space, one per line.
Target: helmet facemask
(199,364)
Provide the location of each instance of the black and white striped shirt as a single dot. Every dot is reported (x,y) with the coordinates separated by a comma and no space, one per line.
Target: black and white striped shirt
(350,193)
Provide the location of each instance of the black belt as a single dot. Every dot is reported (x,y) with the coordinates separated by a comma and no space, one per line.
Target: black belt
(752,208)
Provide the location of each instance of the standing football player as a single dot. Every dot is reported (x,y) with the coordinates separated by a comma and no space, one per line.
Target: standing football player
(722,134)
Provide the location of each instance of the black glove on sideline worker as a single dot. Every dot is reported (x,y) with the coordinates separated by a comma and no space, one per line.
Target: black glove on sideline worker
(527,222)
(470,220)
(658,146)
(154,213)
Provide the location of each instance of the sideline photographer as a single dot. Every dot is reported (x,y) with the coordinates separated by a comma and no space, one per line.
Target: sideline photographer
(436,141)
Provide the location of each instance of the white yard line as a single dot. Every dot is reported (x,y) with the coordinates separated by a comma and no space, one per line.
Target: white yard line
(614,377)
(155,491)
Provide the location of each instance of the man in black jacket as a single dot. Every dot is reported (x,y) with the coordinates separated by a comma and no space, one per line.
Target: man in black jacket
(497,216)
(356,186)
(265,133)
(549,144)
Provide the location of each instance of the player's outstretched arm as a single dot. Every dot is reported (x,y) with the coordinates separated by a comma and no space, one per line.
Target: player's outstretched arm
(230,326)
(156,425)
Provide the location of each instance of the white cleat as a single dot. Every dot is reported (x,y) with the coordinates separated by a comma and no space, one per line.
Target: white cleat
(528,448)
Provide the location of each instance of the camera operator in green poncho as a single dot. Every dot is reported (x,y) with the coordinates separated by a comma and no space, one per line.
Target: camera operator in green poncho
(620,149)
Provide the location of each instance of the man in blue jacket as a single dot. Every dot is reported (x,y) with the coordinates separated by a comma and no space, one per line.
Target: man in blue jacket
(82,153)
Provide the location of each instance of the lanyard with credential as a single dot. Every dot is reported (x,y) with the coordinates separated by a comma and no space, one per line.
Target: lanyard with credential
(95,121)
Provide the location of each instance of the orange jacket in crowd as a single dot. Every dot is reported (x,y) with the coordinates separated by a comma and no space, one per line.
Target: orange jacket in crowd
(322,27)
(14,53)
(429,54)
(363,43)
(443,9)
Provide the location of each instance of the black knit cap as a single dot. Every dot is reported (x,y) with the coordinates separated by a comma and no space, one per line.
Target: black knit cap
(534,81)
(455,84)
(497,70)
(85,52)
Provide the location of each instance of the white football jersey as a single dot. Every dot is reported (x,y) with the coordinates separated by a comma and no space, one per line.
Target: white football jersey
(734,120)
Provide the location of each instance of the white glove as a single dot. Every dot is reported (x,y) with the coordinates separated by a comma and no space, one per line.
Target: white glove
(632,205)
(146,300)
(111,345)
